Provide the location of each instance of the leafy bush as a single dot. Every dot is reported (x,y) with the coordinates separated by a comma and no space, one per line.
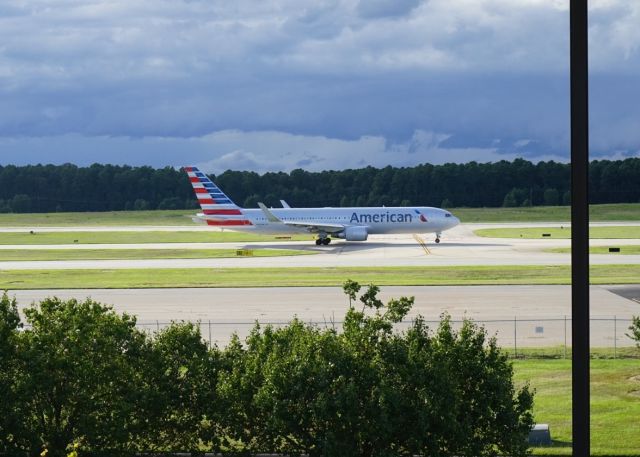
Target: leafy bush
(81,378)
(635,330)
(371,391)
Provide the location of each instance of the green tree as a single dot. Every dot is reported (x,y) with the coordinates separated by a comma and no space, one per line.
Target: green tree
(551,197)
(185,374)
(84,378)
(21,203)
(10,417)
(140,204)
(371,391)
(510,199)
(486,414)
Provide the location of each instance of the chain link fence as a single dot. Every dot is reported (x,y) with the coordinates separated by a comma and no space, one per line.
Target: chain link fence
(520,337)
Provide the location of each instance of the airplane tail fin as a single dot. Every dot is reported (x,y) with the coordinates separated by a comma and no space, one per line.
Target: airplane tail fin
(217,208)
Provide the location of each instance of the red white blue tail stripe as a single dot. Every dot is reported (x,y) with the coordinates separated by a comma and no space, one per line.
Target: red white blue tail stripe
(217,208)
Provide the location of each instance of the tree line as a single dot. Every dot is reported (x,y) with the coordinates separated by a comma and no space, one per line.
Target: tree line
(79,378)
(49,188)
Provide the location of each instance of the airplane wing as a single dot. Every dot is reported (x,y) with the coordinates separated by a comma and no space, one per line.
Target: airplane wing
(310,226)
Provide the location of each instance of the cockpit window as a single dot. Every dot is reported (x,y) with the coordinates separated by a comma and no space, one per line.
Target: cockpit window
(447,214)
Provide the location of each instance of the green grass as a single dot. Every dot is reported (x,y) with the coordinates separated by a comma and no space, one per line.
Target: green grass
(624,250)
(560,352)
(610,212)
(615,404)
(127,254)
(108,218)
(271,277)
(621,232)
(16,238)
(599,213)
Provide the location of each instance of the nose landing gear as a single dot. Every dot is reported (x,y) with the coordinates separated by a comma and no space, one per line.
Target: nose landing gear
(437,238)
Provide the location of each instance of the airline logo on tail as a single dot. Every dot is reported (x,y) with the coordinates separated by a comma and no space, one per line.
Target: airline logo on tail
(218,208)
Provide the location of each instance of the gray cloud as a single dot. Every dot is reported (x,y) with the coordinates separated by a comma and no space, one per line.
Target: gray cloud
(386,8)
(486,74)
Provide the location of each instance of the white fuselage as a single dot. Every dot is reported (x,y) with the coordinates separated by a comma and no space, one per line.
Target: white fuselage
(377,220)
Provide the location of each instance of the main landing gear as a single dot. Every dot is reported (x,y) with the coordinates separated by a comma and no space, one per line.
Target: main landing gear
(438,238)
(325,240)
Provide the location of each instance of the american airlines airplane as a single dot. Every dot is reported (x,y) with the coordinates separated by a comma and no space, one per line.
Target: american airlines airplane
(351,224)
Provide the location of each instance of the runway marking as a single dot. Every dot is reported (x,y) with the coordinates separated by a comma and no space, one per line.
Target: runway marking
(422,243)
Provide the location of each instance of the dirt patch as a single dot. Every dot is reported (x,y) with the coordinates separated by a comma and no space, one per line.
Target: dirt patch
(635,393)
(635,378)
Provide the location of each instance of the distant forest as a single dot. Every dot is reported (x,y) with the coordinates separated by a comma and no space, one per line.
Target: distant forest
(49,188)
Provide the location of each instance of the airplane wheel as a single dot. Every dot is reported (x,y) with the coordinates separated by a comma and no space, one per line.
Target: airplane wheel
(437,240)
(318,242)
(326,241)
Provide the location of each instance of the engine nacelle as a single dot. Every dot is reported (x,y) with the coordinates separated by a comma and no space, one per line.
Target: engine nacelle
(354,234)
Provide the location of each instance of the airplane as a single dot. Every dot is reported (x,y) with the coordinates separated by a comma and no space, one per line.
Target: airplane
(350,224)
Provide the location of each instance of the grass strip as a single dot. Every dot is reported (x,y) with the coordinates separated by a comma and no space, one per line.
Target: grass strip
(608,212)
(614,232)
(127,254)
(624,250)
(133,237)
(314,276)
(597,213)
(562,352)
(104,218)
(615,404)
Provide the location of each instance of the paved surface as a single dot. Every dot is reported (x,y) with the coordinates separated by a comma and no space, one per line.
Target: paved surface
(459,247)
(535,315)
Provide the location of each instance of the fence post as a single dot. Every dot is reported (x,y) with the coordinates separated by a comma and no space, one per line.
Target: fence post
(565,336)
(157,326)
(209,333)
(615,336)
(515,336)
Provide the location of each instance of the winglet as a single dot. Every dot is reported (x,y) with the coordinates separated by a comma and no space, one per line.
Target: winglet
(270,216)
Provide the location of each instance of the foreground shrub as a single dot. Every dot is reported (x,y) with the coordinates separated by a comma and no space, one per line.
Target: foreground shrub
(81,378)
(184,407)
(10,410)
(634,328)
(371,391)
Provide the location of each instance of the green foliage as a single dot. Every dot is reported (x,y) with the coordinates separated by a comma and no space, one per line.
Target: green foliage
(551,197)
(634,328)
(370,391)
(10,410)
(184,375)
(81,377)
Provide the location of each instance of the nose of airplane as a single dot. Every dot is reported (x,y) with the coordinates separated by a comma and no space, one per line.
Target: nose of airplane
(454,221)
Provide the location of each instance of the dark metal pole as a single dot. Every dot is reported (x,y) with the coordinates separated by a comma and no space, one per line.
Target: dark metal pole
(580,225)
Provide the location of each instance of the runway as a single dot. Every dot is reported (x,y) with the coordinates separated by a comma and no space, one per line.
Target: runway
(537,313)
(459,247)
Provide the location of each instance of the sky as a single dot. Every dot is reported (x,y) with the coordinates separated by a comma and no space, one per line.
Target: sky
(274,85)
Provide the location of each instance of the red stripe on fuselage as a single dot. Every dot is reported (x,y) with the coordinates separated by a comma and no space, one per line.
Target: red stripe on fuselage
(229,222)
(201,190)
(229,212)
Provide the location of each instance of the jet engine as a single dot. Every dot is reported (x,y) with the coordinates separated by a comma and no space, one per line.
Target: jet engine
(354,234)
